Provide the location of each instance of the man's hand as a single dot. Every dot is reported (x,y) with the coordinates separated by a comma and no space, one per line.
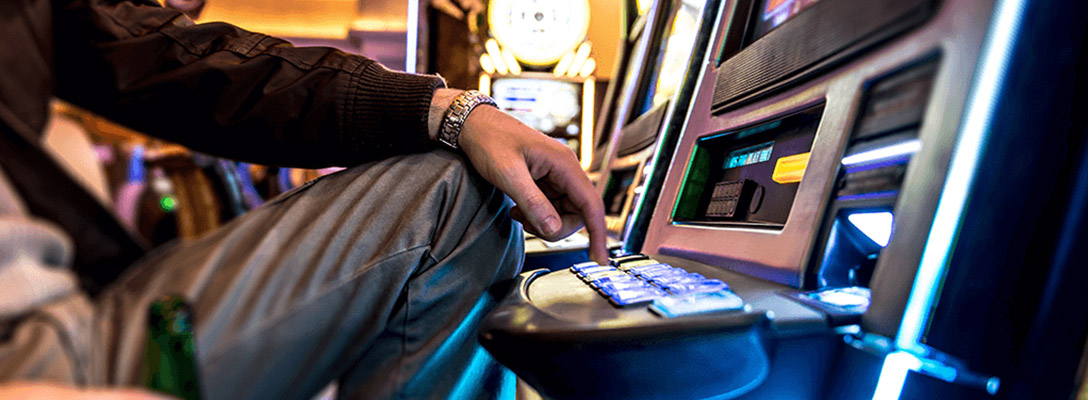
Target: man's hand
(554,196)
(48,391)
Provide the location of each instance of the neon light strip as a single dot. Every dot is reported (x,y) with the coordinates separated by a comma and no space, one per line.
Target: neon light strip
(996,53)
(895,150)
(887,162)
(894,374)
(871,195)
(411,45)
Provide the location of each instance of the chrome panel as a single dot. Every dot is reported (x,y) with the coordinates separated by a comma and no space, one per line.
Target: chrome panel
(956,33)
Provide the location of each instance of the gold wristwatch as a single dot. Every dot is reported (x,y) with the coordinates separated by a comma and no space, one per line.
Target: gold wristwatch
(450,130)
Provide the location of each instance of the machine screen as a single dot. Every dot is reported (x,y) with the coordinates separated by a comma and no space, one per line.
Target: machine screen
(672,57)
(773,13)
(551,106)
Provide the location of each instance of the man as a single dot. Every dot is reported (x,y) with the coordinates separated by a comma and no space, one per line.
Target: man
(373,277)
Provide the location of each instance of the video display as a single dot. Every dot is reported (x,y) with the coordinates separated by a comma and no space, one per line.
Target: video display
(548,105)
(673,54)
(774,12)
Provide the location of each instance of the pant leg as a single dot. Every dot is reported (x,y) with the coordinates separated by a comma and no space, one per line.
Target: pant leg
(422,356)
(51,344)
(382,264)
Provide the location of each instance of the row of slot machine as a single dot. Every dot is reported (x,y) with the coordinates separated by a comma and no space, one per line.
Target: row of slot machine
(164,191)
(818,199)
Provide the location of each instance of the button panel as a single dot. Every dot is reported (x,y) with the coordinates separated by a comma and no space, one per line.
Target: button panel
(730,199)
(636,279)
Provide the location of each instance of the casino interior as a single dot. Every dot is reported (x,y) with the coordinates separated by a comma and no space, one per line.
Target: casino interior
(805,199)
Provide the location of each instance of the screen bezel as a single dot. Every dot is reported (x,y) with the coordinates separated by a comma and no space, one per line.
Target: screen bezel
(820,37)
(756,15)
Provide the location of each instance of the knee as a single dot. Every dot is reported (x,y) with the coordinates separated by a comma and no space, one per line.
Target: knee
(472,210)
(434,199)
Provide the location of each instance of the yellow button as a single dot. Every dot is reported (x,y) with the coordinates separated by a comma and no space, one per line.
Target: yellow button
(790,169)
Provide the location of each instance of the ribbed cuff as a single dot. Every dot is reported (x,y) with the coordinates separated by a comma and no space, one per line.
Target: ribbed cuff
(388,110)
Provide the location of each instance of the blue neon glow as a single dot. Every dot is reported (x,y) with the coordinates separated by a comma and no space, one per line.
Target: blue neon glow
(136,172)
(877,164)
(986,90)
(901,149)
(876,225)
(872,195)
(893,374)
(480,365)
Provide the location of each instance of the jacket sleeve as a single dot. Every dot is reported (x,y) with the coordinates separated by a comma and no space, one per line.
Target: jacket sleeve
(222,90)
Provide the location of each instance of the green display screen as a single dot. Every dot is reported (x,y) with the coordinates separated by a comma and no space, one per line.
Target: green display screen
(749,155)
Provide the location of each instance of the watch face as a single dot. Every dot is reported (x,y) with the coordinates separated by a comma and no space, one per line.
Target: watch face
(538,32)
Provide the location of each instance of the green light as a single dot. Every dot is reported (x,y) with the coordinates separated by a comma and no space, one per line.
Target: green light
(168,203)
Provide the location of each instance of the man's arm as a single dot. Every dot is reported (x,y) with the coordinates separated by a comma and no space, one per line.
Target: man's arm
(225,91)
(222,90)
(554,196)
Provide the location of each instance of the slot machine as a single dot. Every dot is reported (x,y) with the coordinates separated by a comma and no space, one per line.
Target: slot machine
(537,66)
(653,105)
(655,54)
(867,199)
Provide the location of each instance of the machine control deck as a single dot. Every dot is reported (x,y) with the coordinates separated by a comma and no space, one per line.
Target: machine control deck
(674,326)
(636,281)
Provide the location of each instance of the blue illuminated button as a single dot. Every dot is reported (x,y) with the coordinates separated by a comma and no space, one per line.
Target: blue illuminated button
(648,268)
(710,285)
(594,270)
(678,278)
(608,289)
(604,274)
(580,266)
(614,279)
(661,273)
(635,296)
(697,303)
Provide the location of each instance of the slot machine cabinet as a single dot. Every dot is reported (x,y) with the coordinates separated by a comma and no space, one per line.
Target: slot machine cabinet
(659,47)
(560,107)
(824,173)
(652,107)
(539,69)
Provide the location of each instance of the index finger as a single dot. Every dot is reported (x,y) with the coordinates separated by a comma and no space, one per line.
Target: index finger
(584,197)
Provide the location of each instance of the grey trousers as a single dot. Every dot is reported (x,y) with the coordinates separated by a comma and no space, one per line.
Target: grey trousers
(375,277)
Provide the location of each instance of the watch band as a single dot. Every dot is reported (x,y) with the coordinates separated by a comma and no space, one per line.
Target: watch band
(450,131)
